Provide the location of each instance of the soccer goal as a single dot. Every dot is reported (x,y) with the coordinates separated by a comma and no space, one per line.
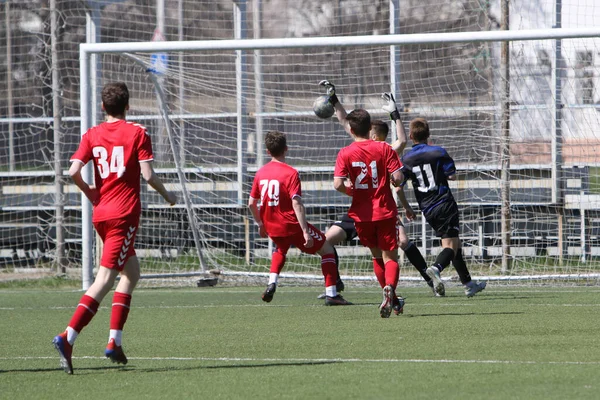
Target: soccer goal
(517,110)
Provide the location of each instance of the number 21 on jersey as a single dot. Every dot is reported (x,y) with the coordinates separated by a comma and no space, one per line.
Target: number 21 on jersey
(363,172)
(117,161)
(271,189)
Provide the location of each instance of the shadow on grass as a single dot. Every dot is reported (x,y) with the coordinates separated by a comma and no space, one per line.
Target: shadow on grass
(232,366)
(59,369)
(463,314)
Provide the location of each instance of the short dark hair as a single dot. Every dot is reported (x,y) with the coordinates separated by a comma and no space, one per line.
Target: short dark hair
(115,97)
(276,143)
(360,122)
(419,129)
(380,128)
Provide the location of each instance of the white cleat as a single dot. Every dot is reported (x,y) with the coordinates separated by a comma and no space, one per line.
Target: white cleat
(475,287)
(438,286)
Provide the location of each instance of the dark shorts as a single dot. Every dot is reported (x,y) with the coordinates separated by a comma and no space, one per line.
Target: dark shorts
(444,219)
(347,224)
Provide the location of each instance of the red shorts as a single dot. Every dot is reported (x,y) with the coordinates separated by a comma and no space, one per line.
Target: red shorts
(118,236)
(382,234)
(297,239)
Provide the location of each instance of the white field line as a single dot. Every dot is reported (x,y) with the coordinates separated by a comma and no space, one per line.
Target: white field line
(321,360)
(194,306)
(291,289)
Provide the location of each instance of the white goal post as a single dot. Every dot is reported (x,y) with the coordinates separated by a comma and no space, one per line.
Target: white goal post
(211,106)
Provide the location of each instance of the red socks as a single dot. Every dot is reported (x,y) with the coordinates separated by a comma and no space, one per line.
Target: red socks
(379,270)
(120,310)
(277,262)
(392,273)
(329,269)
(85,311)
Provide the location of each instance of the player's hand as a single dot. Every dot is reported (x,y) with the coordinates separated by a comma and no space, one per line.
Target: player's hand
(261,230)
(390,107)
(330,91)
(171,198)
(308,240)
(93,195)
(410,214)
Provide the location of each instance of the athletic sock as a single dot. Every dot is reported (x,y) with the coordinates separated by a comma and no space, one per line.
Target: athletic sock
(329,270)
(392,273)
(379,270)
(85,311)
(337,263)
(461,267)
(416,259)
(118,316)
(444,258)
(277,262)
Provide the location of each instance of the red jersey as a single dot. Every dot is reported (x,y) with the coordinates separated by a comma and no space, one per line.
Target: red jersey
(368,165)
(275,185)
(116,149)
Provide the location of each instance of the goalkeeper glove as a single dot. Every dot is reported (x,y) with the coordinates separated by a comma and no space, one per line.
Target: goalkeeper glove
(330,91)
(390,106)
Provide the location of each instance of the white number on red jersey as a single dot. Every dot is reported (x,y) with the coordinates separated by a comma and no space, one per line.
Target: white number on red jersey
(363,173)
(117,161)
(271,189)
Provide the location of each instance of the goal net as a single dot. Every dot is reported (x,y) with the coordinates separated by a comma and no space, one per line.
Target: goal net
(217,99)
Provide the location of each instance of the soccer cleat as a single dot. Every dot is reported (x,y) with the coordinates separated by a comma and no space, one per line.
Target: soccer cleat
(65,350)
(385,309)
(339,287)
(430,285)
(438,286)
(336,301)
(398,305)
(115,353)
(267,295)
(475,288)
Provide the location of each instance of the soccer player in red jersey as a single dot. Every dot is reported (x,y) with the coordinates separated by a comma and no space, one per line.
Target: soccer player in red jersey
(363,170)
(276,205)
(120,151)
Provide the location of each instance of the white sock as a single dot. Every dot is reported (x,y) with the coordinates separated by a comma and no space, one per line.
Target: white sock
(273,278)
(71,335)
(330,291)
(117,335)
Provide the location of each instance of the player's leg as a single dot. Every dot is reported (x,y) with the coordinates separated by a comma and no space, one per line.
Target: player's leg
(443,259)
(335,235)
(471,287)
(413,254)
(387,239)
(329,270)
(444,220)
(277,263)
(87,307)
(120,309)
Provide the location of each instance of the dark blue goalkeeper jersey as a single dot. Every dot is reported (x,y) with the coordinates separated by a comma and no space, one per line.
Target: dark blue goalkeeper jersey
(428,168)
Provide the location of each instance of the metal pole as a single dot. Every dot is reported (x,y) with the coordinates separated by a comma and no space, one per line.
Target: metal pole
(258,83)
(395,57)
(239,14)
(56,111)
(505,141)
(556,144)
(180,37)
(9,89)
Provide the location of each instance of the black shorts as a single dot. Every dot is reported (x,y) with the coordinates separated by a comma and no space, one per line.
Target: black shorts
(347,224)
(444,219)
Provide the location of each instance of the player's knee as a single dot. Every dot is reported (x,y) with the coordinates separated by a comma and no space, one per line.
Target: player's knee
(403,243)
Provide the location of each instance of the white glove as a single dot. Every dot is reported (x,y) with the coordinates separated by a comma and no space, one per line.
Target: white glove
(390,107)
(330,91)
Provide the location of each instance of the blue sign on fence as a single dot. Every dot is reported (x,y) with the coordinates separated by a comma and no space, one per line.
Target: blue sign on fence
(159,61)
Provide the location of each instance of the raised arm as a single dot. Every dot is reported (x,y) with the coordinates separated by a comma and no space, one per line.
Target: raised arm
(400,143)
(153,180)
(340,111)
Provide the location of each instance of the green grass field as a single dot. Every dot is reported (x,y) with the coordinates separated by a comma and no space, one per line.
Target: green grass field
(225,343)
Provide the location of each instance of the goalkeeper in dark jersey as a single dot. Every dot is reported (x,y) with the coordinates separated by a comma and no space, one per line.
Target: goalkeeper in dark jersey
(429,168)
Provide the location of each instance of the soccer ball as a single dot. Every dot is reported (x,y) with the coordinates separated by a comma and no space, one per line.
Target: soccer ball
(323,107)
